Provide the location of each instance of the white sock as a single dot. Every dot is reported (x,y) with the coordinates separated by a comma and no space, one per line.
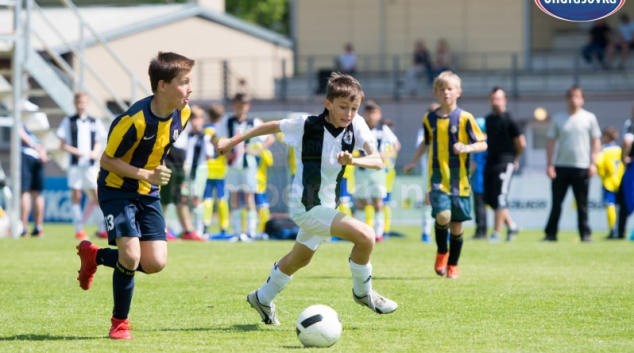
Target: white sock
(427,225)
(273,286)
(361,278)
(513,226)
(236,221)
(198,219)
(78,217)
(252,222)
(379,223)
(98,216)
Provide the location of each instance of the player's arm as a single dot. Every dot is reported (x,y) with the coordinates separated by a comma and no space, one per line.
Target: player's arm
(24,136)
(225,145)
(420,151)
(70,149)
(372,159)
(596,147)
(476,147)
(626,148)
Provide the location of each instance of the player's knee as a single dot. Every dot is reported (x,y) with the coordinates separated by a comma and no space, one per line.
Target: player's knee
(365,236)
(130,259)
(443,217)
(154,266)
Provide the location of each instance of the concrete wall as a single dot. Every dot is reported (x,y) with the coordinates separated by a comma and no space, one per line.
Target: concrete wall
(207,42)
(390,27)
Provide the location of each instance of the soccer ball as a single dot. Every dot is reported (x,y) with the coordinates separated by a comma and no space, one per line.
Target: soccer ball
(318,326)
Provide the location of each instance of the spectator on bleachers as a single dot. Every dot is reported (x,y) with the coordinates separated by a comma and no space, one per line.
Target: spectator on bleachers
(34,156)
(626,38)
(422,64)
(600,44)
(443,56)
(348,60)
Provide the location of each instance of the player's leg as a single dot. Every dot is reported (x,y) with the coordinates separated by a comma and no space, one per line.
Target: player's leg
(480,215)
(363,238)
(123,286)
(379,219)
(74,177)
(38,199)
(580,188)
(208,202)
(25,208)
(387,211)
(441,211)
(249,199)
(264,214)
(223,206)
(559,187)
(94,199)
(460,212)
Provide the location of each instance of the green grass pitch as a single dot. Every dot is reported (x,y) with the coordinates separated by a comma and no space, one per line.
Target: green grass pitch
(524,296)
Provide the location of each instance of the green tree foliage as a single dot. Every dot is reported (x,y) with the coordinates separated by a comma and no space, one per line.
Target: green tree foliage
(272,14)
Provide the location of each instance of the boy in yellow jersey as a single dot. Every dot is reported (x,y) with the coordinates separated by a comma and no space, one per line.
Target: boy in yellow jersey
(131,173)
(390,164)
(451,135)
(264,159)
(216,173)
(610,169)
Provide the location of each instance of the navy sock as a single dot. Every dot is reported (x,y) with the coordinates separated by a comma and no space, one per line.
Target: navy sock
(442,232)
(122,288)
(456,246)
(107,257)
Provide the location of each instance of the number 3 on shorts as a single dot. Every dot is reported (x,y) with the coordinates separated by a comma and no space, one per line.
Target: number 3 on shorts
(109,222)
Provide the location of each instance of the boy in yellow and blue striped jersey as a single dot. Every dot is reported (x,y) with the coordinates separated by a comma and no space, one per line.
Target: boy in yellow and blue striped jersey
(216,173)
(451,135)
(264,158)
(610,169)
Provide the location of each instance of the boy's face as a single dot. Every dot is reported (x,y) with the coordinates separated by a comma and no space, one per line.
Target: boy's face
(372,117)
(498,101)
(575,99)
(197,121)
(447,94)
(342,110)
(241,109)
(178,90)
(81,104)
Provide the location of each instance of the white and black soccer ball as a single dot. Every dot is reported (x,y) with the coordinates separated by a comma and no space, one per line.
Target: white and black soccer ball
(318,326)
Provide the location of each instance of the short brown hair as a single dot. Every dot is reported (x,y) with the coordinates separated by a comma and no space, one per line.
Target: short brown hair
(445,78)
(572,89)
(611,132)
(215,112)
(80,94)
(388,123)
(372,106)
(166,66)
(197,111)
(241,98)
(343,86)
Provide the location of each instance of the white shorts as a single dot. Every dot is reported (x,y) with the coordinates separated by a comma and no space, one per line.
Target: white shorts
(241,180)
(314,225)
(372,184)
(197,186)
(83,178)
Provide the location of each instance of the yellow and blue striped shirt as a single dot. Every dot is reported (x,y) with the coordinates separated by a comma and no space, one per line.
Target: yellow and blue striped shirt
(609,166)
(448,171)
(142,140)
(216,166)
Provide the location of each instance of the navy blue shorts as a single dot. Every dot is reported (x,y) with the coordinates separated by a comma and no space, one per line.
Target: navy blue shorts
(460,206)
(387,197)
(142,218)
(218,184)
(261,200)
(609,197)
(32,173)
(343,188)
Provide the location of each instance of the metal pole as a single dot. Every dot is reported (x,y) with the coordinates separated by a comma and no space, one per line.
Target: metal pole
(16,155)
(82,46)
(27,30)
(528,36)
(396,69)
(514,76)
(225,80)
(310,71)
(284,88)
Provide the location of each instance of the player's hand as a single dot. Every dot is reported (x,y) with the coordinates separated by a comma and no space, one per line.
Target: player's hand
(408,168)
(627,160)
(94,155)
(551,172)
(516,165)
(78,154)
(427,200)
(160,176)
(592,171)
(224,145)
(344,158)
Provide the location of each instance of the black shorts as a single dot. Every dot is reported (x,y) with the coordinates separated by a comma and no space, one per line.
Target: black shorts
(172,191)
(135,217)
(32,173)
(497,182)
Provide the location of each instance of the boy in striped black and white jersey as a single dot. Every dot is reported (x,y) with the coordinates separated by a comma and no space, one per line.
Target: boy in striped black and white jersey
(323,147)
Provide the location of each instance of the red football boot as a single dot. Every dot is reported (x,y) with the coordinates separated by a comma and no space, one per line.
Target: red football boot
(102,235)
(81,235)
(441,264)
(87,252)
(120,329)
(192,236)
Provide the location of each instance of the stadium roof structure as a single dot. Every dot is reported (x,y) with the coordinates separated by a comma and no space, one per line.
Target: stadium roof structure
(113,22)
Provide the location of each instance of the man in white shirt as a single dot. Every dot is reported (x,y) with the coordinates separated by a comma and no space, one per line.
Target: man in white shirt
(626,38)
(81,137)
(577,135)
(348,60)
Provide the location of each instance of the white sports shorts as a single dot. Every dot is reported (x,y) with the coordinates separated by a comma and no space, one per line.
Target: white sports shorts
(83,178)
(314,225)
(241,180)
